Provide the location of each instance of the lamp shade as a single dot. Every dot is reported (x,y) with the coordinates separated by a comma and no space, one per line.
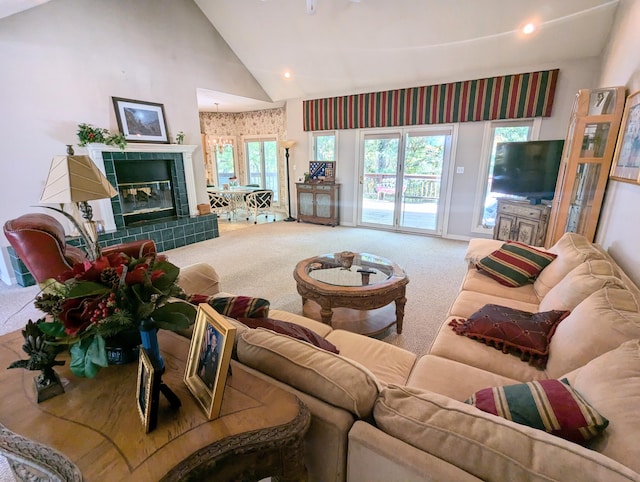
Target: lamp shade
(74,179)
(287,144)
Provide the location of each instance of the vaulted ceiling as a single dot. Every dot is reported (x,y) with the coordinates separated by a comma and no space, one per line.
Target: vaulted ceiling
(352,46)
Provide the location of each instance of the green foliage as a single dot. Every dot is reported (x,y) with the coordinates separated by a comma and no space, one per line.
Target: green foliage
(88,356)
(113,294)
(88,134)
(325,148)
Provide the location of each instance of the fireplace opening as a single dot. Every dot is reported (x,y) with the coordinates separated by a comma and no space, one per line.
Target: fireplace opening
(146,191)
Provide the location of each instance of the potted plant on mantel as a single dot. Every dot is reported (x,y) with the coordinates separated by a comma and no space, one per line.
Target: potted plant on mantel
(88,134)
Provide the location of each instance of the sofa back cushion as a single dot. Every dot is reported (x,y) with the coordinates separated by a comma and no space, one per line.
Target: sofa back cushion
(572,249)
(603,321)
(317,372)
(580,282)
(611,384)
(487,446)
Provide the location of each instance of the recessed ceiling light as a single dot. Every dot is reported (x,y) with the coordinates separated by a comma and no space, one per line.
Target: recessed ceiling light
(528,28)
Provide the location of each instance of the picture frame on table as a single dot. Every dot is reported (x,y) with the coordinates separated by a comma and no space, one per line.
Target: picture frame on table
(626,158)
(141,121)
(209,359)
(148,390)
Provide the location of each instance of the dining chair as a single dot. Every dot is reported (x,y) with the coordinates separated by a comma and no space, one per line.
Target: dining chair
(220,205)
(259,202)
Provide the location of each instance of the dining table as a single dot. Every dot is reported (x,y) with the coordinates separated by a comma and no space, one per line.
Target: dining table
(235,195)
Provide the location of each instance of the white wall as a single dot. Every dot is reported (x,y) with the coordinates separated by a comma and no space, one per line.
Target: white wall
(619,228)
(574,75)
(63,61)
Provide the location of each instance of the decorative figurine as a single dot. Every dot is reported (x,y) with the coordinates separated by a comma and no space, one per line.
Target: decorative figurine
(42,356)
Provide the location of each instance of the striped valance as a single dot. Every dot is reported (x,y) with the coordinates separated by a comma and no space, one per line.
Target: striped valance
(506,97)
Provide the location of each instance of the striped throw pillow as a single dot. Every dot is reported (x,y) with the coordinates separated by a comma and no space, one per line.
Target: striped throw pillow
(515,264)
(549,405)
(234,306)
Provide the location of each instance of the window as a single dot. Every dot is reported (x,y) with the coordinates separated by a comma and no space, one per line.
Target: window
(324,146)
(262,163)
(496,132)
(224,163)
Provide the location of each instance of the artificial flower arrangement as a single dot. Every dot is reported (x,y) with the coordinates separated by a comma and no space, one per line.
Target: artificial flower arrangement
(101,298)
(88,134)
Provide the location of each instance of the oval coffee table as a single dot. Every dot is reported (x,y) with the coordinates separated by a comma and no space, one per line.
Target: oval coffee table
(342,293)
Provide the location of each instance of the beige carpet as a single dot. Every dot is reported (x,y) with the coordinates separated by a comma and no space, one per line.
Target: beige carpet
(259,261)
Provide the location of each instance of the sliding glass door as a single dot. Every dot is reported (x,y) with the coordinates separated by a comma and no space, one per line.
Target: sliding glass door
(402,179)
(262,164)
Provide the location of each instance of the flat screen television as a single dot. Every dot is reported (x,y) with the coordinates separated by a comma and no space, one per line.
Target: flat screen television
(528,169)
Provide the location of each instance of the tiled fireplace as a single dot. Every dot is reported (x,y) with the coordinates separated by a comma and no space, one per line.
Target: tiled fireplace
(153,202)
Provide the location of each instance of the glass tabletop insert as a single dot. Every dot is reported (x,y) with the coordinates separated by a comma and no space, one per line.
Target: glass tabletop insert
(350,269)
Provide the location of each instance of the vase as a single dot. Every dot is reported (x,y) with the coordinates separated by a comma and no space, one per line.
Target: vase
(123,347)
(149,339)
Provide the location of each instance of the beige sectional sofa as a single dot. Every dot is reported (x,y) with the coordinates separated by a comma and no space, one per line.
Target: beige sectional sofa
(379,413)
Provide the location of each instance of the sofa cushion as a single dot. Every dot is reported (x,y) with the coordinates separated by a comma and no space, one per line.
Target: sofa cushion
(508,329)
(465,350)
(515,264)
(468,302)
(549,405)
(603,321)
(571,250)
(389,363)
(611,383)
(435,374)
(580,282)
(489,447)
(332,378)
(321,329)
(291,329)
(475,280)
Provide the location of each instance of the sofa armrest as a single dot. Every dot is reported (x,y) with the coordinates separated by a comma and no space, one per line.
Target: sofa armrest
(135,249)
(480,247)
(375,456)
(487,446)
(326,440)
(199,279)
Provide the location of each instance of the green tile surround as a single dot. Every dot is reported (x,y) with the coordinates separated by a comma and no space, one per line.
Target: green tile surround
(172,233)
(167,235)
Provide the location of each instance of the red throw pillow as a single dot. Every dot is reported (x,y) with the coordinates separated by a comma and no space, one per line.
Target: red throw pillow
(291,329)
(508,329)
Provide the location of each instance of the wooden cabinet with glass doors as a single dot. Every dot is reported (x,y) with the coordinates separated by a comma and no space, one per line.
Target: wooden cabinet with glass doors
(586,161)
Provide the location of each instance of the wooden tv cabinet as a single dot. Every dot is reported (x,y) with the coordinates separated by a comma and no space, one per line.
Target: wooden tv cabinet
(521,221)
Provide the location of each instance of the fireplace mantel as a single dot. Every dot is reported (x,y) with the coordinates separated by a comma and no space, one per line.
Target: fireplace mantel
(103,209)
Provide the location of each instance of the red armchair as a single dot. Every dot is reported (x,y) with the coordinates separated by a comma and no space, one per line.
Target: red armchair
(39,241)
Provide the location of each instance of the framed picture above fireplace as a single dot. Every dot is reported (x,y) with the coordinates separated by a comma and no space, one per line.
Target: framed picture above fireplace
(141,121)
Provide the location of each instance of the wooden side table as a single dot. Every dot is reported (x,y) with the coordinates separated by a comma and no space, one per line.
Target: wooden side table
(94,430)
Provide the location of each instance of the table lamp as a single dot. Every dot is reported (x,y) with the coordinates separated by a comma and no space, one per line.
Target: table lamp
(288,145)
(76,179)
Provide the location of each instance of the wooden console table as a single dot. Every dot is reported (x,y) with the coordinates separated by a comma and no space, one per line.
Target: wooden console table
(92,432)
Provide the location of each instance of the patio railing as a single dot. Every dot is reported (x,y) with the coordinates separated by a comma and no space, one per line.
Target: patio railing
(417,187)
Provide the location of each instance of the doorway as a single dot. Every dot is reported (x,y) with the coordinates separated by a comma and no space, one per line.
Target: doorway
(403,179)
